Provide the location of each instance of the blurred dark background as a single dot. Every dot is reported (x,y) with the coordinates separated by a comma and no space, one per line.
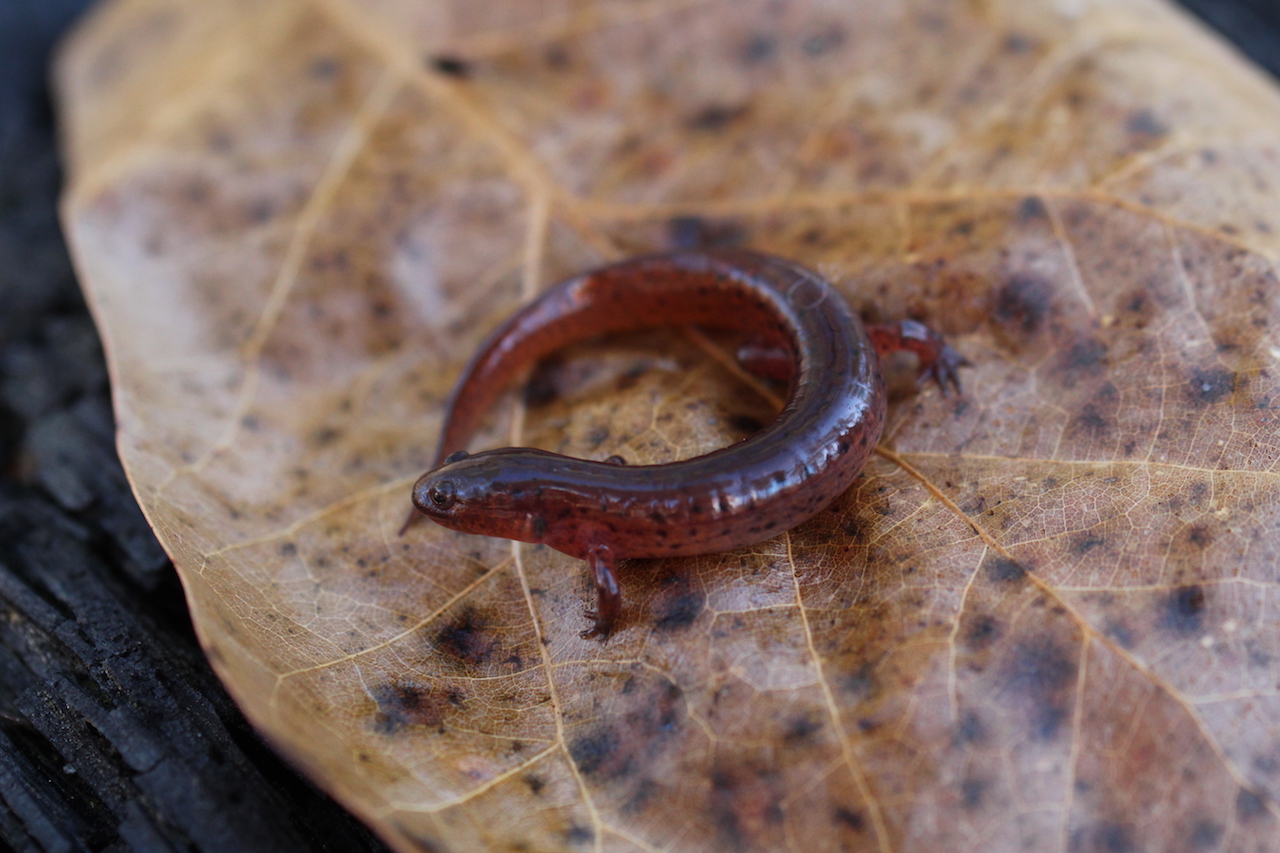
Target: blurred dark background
(114,734)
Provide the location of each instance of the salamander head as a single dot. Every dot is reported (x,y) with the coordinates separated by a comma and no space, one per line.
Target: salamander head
(495,493)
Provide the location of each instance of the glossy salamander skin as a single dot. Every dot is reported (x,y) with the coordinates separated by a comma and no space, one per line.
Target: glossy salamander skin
(742,494)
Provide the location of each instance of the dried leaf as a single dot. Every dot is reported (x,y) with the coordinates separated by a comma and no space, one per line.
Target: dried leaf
(1045,618)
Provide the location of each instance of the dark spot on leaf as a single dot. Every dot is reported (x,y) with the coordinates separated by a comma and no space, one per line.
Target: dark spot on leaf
(1086,357)
(591,751)
(1206,834)
(970,729)
(696,232)
(853,531)
(743,797)
(759,48)
(640,798)
(1004,570)
(678,609)
(971,792)
(1089,424)
(467,638)
(1108,837)
(450,66)
(1018,43)
(715,117)
(745,424)
(1145,123)
(1209,386)
(597,436)
(1031,208)
(1120,633)
(823,42)
(324,68)
(1249,804)
(288,549)
(535,784)
(801,729)
(404,703)
(543,387)
(1042,674)
(1085,542)
(578,834)
(984,631)
(851,819)
(1024,303)
(859,683)
(1184,610)
(1199,536)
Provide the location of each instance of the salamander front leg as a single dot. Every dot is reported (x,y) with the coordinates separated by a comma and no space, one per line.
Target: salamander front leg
(939,363)
(608,595)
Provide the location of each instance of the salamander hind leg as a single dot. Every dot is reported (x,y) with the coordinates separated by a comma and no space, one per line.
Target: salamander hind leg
(938,361)
(608,594)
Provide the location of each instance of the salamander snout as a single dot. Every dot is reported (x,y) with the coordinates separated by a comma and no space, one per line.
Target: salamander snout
(487,493)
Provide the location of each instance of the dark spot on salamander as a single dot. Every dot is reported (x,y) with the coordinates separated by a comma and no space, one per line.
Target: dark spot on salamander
(1184,610)
(539,526)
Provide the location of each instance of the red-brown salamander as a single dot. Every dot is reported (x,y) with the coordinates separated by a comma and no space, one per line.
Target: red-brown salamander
(742,494)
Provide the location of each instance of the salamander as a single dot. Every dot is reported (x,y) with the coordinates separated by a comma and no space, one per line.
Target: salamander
(751,491)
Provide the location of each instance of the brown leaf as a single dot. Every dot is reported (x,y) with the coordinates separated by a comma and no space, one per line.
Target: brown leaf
(1044,619)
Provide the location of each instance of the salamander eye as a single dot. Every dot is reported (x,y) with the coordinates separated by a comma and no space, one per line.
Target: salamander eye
(442,494)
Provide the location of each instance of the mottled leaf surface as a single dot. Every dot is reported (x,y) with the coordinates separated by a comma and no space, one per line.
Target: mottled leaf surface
(1045,618)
